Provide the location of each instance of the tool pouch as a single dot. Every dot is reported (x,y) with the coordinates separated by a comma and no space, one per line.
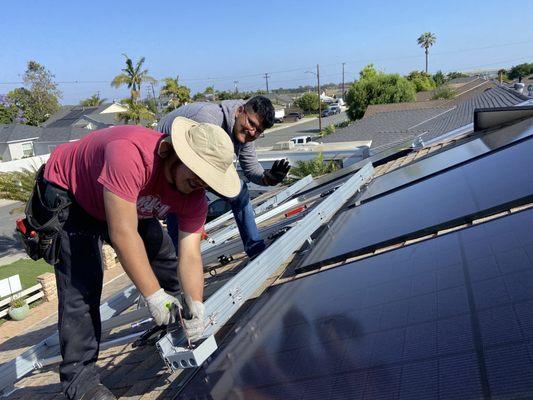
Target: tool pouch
(46,212)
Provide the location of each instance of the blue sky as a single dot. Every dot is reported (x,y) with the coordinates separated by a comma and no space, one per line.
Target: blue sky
(216,42)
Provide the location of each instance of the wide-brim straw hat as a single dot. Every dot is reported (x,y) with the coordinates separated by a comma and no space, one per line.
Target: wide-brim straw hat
(207,150)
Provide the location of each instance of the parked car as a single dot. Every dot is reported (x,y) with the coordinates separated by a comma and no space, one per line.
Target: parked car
(301,139)
(327,112)
(335,108)
(298,114)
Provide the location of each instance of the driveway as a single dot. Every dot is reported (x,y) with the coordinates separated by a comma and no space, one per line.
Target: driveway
(301,128)
(10,247)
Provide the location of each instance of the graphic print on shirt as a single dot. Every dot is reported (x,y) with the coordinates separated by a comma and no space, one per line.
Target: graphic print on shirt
(151,206)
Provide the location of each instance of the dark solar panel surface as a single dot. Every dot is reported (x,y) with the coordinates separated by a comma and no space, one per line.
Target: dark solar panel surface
(495,179)
(448,158)
(448,318)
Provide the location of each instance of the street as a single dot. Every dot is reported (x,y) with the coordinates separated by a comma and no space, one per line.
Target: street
(299,129)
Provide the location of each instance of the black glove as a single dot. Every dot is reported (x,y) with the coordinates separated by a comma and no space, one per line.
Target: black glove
(277,173)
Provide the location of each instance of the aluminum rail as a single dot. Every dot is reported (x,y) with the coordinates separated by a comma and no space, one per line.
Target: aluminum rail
(272,202)
(226,301)
(232,230)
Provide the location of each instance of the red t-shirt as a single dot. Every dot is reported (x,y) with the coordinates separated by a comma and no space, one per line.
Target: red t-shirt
(124,160)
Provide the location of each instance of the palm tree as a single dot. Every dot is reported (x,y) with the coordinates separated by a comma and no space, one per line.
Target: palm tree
(92,101)
(132,77)
(178,94)
(501,74)
(136,113)
(426,40)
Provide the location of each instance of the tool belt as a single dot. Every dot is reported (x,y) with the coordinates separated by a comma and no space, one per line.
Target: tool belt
(40,230)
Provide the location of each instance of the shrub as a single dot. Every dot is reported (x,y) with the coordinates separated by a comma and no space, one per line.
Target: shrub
(443,92)
(328,130)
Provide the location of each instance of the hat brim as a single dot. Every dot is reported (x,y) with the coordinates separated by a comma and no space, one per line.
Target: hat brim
(227,184)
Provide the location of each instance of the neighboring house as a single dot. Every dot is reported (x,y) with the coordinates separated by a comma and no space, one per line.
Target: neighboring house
(17,141)
(74,122)
(280,99)
(389,127)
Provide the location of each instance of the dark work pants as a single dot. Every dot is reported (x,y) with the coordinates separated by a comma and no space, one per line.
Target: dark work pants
(79,276)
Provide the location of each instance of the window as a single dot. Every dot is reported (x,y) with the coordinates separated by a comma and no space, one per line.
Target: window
(27,149)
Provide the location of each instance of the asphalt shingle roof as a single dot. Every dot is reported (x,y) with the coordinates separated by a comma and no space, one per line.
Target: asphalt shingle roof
(14,132)
(384,128)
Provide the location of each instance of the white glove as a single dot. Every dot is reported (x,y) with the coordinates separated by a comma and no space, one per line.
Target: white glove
(194,326)
(160,306)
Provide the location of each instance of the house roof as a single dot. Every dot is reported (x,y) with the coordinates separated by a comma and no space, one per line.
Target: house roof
(62,134)
(384,128)
(377,108)
(462,91)
(463,113)
(15,132)
(70,115)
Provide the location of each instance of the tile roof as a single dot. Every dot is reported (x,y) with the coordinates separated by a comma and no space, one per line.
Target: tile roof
(14,132)
(377,108)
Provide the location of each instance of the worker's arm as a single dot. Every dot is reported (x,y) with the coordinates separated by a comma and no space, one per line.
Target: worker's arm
(122,225)
(191,275)
(191,272)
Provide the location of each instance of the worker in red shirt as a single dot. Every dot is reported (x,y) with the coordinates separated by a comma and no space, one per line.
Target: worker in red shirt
(113,185)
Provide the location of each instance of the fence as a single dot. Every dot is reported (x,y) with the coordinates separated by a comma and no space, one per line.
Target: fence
(35,293)
(31,163)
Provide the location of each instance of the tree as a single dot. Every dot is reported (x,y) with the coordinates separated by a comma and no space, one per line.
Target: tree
(178,94)
(133,77)
(377,87)
(8,112)
(521,70)
(314,167)
(136,113)
(439,78)
(93,101)
(39,99)
(426,40)
(24,103)
(421,80)
(445,92)
(455,75)
(308,102)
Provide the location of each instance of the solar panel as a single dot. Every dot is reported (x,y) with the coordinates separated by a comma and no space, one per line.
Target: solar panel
(446,318)
(448,158)
(496,179)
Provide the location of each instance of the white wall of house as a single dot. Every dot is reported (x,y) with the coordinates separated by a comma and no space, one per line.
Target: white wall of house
(114,108)
(19,150)
(31,163)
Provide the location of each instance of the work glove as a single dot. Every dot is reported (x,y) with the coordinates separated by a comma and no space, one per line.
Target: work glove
(160,305)
(277,173)
(193,320)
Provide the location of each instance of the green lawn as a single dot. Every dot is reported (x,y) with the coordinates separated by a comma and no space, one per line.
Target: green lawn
(27,269)
(311,115)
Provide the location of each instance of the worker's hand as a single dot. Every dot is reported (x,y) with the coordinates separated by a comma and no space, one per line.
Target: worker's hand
(194,323)
(160,305)
(277,173)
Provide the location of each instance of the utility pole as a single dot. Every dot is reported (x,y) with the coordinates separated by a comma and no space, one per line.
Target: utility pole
(266,80)
(319,102)
(236,88)
(342,94)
